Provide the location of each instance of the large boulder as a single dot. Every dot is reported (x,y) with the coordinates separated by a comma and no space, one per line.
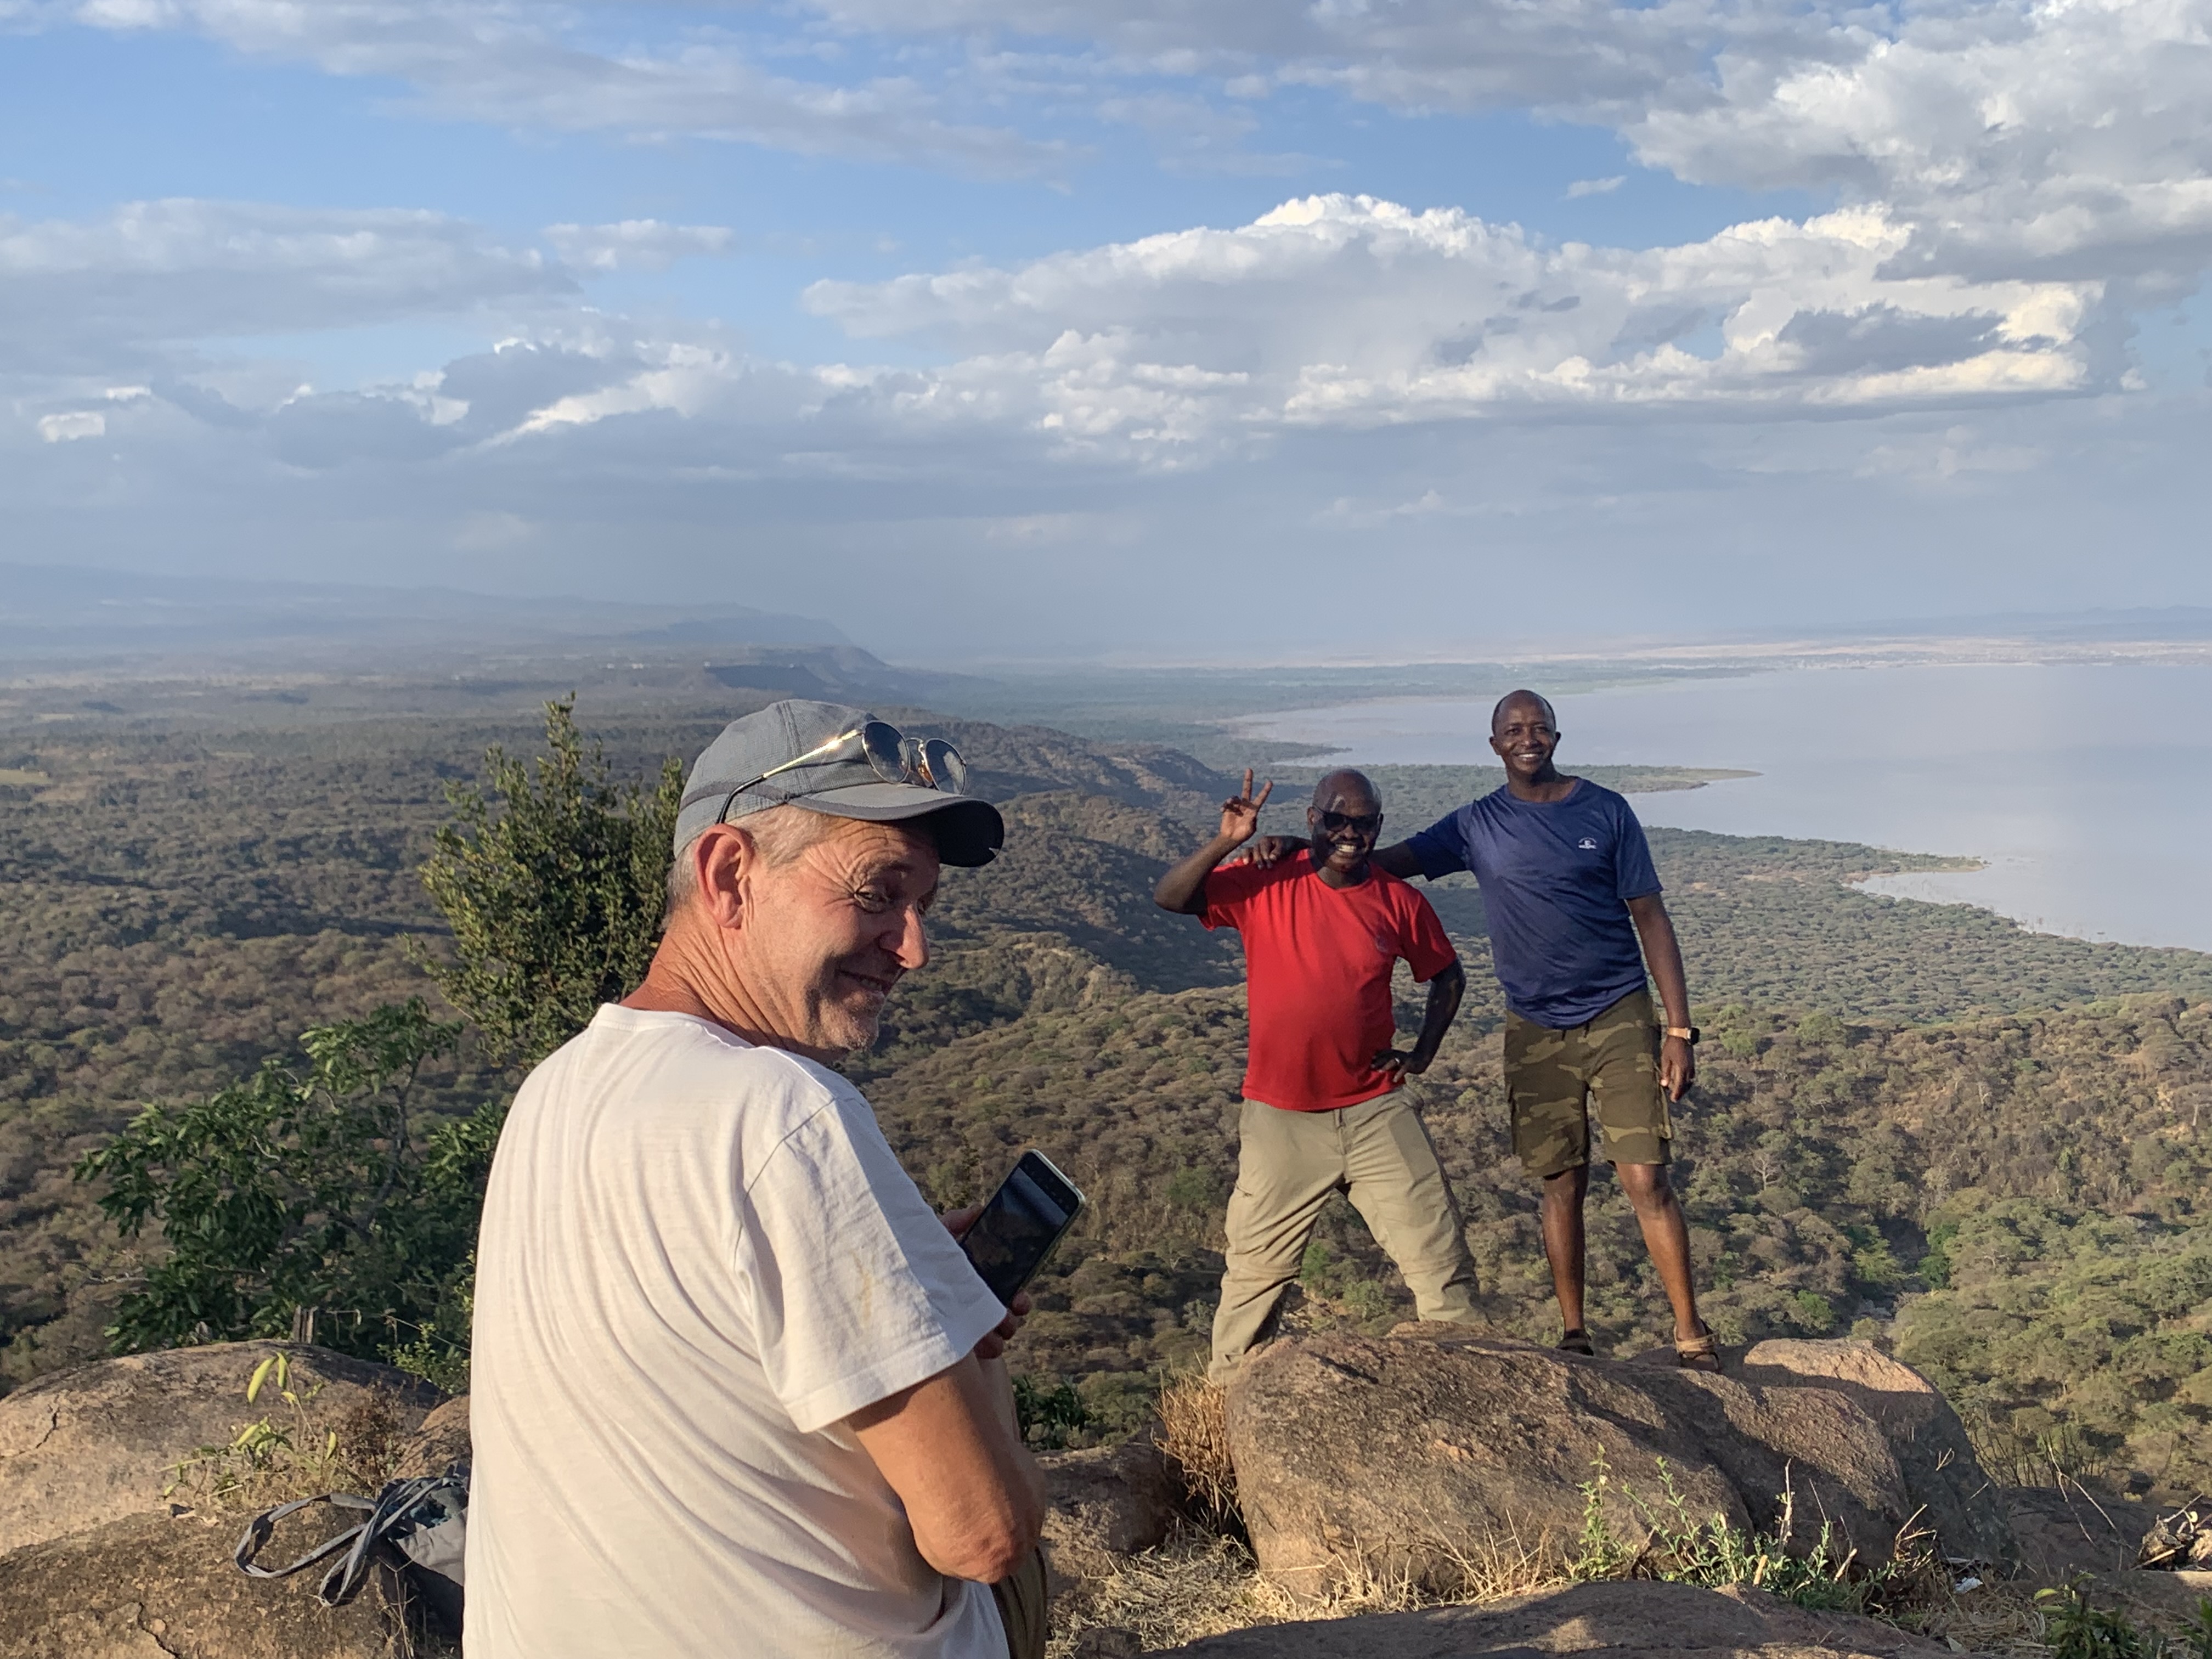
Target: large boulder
(2061,1531)
(1615,1619)
(102,1441)
(1958,1501)
(439,1444)
(1418,1453)
(148,1587)
(1106,1502)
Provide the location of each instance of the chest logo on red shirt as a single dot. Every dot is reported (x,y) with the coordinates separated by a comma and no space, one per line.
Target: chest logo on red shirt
(1386,945)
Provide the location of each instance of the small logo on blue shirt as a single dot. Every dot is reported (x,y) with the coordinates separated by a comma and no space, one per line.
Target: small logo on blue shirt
(1587,845)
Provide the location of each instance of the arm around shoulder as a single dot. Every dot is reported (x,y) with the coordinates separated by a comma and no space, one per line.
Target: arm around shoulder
(1399,859)
(950,1448)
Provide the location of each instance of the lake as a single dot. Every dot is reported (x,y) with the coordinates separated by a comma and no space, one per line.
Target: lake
(2087,790)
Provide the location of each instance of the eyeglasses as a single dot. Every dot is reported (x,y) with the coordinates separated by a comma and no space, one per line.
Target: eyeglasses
(1367,823)
(925,763)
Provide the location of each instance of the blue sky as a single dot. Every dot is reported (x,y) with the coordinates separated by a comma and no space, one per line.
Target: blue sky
(1162,331)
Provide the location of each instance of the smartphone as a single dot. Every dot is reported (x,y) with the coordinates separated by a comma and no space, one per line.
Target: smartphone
(1030,1213)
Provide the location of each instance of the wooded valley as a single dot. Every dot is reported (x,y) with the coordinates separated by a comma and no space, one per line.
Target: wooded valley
(1913,1121)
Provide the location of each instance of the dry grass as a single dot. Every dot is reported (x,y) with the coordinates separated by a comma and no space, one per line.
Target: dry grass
(1201,1583)
(1194,1437)
(1998,1617)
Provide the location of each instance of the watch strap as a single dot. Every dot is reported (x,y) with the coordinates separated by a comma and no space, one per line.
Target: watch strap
(1689,1034)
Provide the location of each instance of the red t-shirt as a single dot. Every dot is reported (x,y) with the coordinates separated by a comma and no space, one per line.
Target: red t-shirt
(1317,962)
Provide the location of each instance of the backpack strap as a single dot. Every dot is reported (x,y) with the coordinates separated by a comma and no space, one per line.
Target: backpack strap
(393,1510)
(259,1530)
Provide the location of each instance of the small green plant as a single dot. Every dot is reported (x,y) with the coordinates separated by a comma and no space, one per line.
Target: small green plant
(2073,1628)
(2196,1634)
(1679,1548)
(1599,1554)
(1048,1413)
(265,1452)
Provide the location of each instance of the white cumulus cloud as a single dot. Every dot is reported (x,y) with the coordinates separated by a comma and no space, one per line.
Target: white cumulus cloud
(636,244)
(1338,310)
(72,425)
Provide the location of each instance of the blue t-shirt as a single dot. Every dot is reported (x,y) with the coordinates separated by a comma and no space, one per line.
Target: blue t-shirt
(1556,882)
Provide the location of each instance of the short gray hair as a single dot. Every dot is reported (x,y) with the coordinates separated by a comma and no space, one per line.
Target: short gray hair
(781,833)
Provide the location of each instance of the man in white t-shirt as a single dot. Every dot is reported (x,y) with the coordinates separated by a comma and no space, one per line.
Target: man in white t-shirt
(736,1390)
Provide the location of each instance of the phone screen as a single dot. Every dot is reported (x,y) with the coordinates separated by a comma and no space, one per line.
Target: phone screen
(1018,1227)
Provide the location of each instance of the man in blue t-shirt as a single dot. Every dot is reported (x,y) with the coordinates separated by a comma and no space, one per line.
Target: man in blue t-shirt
(1574,915)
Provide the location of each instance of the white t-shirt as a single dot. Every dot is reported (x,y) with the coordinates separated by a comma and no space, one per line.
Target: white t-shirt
(698,1258)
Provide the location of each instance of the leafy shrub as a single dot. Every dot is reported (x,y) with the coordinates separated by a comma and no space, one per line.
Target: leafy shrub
(556,897)
(1048,1412)
(316,1187)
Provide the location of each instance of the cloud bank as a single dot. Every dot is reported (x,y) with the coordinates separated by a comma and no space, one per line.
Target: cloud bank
(1948,353)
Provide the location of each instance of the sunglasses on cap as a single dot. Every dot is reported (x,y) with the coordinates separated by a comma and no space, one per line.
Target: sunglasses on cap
(925,763)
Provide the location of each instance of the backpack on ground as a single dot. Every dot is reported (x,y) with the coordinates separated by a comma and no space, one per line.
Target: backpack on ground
(418,1525)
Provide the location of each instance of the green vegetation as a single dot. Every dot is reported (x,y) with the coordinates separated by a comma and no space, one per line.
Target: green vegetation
(2071,1339)
(1681,1548)
(322,1190)
(1912,1119)
(2076,1628)
(553,886)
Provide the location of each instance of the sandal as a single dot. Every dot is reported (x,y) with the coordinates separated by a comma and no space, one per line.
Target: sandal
(1697,1353)
(1577,1341)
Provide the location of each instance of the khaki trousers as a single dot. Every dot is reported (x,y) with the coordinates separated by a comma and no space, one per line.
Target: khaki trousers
(1378,1154)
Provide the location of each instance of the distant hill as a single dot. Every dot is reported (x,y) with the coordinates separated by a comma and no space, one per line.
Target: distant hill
(831,673)
(63,611)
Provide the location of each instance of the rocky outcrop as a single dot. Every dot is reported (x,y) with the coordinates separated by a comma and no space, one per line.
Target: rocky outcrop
(1618,1620)
(1958,1502)
(147,1587)
(1105,1502)
(2061,1531)
(440,1442)
(90,1445)
(1418,1453)
(1102,1503)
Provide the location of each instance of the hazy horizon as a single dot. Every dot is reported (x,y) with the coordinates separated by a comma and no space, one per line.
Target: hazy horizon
(128,621)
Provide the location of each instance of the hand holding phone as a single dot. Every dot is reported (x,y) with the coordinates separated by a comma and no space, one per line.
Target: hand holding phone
(1030,1213)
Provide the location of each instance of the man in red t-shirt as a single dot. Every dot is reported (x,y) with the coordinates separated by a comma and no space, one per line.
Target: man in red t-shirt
(1325,1110)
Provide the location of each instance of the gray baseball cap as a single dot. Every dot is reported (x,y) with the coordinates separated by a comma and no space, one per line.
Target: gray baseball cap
(727,781)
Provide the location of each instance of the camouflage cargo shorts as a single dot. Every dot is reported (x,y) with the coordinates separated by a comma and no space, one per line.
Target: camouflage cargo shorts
(1552,1076)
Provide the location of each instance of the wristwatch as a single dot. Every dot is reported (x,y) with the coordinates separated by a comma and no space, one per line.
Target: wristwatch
(1687,1033)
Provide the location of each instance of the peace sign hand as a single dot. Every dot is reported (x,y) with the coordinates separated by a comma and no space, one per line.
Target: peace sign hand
(1240,816)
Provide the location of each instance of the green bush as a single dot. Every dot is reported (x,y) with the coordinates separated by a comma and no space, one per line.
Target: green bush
(316,1187)
(2075,1628)
(554,883)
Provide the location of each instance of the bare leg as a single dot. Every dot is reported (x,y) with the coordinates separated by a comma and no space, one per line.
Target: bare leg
(1562,1215)
(1667,1235)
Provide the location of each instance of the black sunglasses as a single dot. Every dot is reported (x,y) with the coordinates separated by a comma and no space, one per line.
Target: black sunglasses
(1366,823)
(925,763)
